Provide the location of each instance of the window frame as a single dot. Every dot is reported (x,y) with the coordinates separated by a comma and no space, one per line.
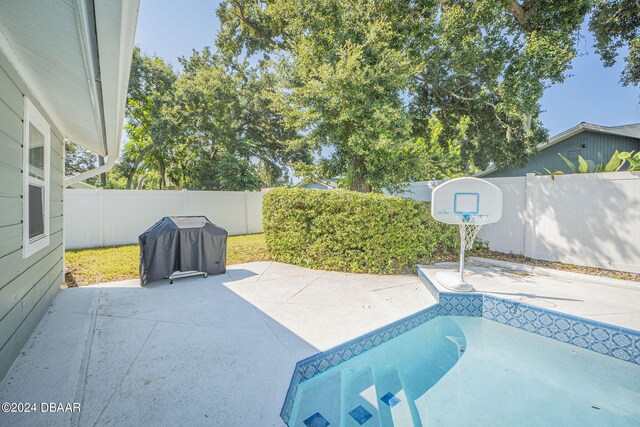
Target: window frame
(33,117)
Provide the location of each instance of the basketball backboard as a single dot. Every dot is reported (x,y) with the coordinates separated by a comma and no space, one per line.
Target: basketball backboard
(473,199)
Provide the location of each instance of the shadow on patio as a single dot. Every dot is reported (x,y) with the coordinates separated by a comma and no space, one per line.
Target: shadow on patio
(215,351)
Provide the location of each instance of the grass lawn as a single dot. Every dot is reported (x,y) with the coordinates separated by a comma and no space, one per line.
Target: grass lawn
(107,264)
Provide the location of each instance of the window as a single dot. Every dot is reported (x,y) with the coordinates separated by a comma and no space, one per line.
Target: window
(35,172)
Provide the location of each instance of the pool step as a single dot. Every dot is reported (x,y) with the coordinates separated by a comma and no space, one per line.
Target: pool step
(395,407)
(320,403)
(451,350)
(360,401)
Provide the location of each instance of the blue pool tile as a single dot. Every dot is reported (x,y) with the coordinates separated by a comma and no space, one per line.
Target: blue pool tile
(323,365)
(501,307)
(562,324)
(454,300)
(581,329)
(395,331)
(580,341)
(390,399)
(545,319)
(600,334)
(622,354)
(515,322)
(562,336)
(346,354)
(360,414)
(515,310)
(545,332)
(489,314)
(336,359)
(310,371)
(464,312)
(600,347)
(477,302)
(600,340)
(530,315)
(621,340)
(316,420)
(488,304)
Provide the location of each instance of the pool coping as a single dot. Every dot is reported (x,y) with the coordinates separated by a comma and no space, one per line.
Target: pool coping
(603,338)
(553,272)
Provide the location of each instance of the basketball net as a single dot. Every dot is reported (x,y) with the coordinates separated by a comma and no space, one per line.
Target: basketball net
(469,230)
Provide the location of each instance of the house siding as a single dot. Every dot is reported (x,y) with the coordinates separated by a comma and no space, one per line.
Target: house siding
(27,286)
(315,186)
(599,148)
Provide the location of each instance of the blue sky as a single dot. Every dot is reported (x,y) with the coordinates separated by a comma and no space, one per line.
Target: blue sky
(592,94)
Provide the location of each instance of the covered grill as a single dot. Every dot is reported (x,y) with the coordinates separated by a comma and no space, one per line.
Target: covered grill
(179,246)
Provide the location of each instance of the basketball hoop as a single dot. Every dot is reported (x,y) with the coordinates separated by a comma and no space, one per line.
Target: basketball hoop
(470,225)
(468,203)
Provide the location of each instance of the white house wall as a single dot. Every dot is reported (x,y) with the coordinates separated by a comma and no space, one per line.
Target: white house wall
(27,285)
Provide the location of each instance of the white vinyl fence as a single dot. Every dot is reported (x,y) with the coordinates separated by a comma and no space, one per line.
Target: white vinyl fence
(116,217)
(583,219)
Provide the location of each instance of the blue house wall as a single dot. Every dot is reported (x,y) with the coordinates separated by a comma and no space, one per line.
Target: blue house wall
(590,145)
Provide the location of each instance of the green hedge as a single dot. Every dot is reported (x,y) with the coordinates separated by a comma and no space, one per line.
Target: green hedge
(350,231)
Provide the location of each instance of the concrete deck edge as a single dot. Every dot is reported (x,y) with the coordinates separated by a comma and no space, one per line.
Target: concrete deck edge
(557,273)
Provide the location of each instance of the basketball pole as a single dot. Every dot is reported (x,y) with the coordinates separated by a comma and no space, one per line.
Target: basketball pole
(463,238)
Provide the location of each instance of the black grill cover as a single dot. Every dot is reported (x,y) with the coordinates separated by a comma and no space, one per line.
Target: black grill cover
(182,243)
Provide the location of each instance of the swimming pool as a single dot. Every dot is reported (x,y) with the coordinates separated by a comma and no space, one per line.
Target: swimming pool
(467,370)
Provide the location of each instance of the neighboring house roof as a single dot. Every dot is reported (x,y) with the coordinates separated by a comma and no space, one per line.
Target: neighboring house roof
(81,185)
(630,130)
(331,183)
(74,56)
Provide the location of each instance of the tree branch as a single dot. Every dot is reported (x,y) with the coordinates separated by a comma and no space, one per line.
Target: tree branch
(141,154)
(523,14)
(247,22)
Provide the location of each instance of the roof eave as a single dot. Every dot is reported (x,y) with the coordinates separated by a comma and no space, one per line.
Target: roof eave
(115,29)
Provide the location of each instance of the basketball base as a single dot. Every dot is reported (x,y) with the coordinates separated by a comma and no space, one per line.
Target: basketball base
(452,282)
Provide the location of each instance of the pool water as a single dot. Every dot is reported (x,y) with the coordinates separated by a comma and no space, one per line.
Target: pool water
(470,371)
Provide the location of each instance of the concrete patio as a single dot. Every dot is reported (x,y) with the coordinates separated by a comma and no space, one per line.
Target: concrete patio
(215,351)
(597,298)
(221,350)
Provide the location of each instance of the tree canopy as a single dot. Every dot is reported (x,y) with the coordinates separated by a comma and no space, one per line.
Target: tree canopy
(372,92)
(78,159)
(212,126)
(374,80)
(615,25)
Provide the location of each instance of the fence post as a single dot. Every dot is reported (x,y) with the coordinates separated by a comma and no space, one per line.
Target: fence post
(185,202)
(246,212)
(529,215)
(100,216)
